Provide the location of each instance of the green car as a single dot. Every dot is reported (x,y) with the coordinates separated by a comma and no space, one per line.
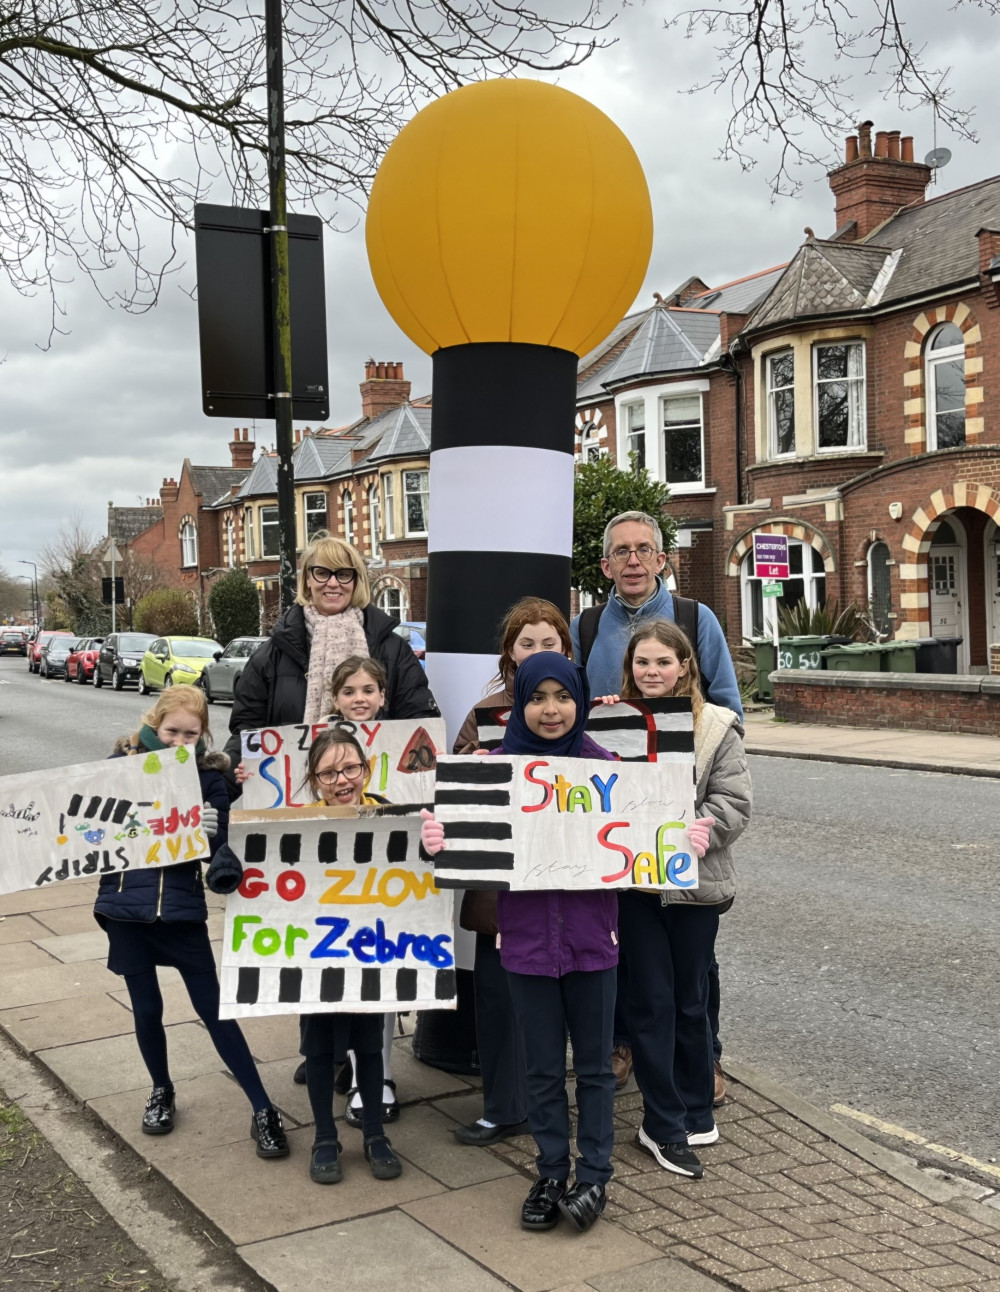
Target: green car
(172,660)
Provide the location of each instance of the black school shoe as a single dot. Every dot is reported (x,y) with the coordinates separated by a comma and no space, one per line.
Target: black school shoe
(540,1209)
(383,1161)
(324,1163)
(355,1116)
(266,1129)
(672,1157)
(582,1204)
(158,1119)
(299,1075)
(477,1133)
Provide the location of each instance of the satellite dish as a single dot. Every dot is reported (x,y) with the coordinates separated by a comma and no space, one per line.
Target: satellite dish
(937,158)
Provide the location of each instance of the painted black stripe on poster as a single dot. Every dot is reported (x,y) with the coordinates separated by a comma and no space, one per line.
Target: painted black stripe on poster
(539,381)
(255,848)
(290,848)
(326,850)
(474,798)
(496,885)
(476,771)
(675,742)
(468,593)
(247,986)
(452,859)
(406,984)
(478,830)
(290,985)
(331,985)
(445,984)
(371,984)
(634,722)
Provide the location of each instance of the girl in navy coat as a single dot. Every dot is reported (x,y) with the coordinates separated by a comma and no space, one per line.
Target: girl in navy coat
(157,916)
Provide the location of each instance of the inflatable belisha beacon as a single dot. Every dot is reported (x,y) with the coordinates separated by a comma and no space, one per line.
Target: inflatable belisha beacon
(509,230)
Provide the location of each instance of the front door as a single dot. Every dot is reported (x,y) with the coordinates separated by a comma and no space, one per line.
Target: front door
(945,575)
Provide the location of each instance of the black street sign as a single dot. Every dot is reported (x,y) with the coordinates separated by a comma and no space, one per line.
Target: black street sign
(119,590)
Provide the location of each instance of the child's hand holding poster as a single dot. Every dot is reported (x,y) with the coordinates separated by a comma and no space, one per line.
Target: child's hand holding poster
(338,911)
(520,823)
(402,755)
(94,818)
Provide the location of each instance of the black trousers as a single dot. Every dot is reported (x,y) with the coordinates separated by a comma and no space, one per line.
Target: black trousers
(583,1004)
(670,949)
(621,1004)
(498,1036)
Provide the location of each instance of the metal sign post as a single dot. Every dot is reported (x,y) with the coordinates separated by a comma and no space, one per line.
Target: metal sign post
(770,559)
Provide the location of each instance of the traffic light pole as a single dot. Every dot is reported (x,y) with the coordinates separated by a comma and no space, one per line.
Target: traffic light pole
(278,234)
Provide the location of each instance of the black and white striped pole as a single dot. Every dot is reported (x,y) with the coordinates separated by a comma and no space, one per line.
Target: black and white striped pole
(509,230)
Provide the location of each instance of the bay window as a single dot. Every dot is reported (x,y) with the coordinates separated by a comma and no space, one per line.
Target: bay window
(839,379)
(781,403)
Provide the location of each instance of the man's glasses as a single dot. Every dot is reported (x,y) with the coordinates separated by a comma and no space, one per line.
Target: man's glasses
(645,552)
(320,574)
(351,772)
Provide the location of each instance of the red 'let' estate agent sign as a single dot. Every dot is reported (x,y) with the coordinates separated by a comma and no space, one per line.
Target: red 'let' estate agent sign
(770,556)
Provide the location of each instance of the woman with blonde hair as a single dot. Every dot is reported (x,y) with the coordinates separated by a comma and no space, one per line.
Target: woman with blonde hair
(290,677)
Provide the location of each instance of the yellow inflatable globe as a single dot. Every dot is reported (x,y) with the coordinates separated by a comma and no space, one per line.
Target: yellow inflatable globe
(509,211)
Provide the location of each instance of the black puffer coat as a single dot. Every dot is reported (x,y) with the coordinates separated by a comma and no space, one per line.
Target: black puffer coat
(167,892)
(272,689)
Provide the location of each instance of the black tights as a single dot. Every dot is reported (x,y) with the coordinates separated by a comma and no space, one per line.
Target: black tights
(203,988)
(319,1084)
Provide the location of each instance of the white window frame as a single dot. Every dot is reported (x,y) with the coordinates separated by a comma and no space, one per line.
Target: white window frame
(347,506)
(375,521)
(386,594)
(309,509)
(249,538)
(388,499)
(932,359)
(189,544)
(652,396)
(408,493)
(683,486)
(772,429)
(590,442)
(265,525)
(809,576)
(862,444)
(230,541)
(628,433)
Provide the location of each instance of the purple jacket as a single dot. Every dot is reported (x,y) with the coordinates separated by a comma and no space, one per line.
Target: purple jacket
(551,932)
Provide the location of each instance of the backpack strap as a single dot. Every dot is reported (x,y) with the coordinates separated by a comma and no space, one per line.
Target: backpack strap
(686,618)
(589,621)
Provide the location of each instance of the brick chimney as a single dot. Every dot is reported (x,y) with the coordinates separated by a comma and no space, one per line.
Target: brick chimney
(872,185)
(169,490)
(241,449)
(384,387)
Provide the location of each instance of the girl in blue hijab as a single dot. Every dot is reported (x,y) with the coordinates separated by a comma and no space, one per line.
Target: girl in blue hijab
(560,950)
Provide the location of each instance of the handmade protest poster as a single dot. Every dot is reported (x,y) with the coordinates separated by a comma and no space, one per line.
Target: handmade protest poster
(94,818)
(338,911)
(401,753)
(519,823)
(635,730)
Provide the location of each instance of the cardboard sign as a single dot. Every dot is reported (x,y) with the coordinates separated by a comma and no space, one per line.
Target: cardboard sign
(634,730)
(402,755)
(338,912)
(95,818)
(532,822)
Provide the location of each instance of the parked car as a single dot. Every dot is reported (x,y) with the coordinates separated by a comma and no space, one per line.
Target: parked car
(55,653)
(416,634)
(39,644)
(120,657)
(83,660)
(13,642)
(219,678)
(171,660)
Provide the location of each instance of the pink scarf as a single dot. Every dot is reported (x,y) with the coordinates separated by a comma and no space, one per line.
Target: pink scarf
(334,637)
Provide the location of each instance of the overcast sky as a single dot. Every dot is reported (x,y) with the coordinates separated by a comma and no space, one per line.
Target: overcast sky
(114,406)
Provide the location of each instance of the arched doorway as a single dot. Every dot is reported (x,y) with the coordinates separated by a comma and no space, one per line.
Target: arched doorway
(947,577)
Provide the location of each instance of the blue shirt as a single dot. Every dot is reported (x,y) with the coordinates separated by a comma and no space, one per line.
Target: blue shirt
(607,656)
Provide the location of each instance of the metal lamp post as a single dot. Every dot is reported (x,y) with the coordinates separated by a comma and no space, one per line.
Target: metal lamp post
(34,592)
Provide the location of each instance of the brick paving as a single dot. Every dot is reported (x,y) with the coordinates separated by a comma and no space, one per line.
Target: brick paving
(783,1206)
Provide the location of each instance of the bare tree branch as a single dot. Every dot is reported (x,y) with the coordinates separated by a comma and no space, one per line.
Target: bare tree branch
(117,112)
(768,52)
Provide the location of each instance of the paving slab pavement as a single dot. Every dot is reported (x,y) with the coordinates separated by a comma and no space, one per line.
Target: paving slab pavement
(790,1198)
(931,751)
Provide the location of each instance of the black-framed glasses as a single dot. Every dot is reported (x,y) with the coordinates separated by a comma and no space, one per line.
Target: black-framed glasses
(351,772)
(321,574)
(644,551)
